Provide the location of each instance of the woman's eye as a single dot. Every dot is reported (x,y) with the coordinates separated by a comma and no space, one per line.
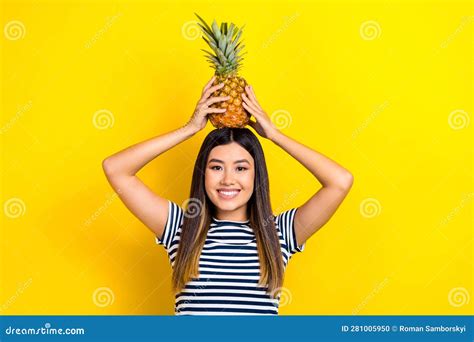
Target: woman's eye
(240,168)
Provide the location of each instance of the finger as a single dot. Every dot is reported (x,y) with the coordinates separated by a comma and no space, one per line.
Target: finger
(212,89)
(209,83)
(251,110)
(250,103)
(214,110)
(217,99)
(251,95)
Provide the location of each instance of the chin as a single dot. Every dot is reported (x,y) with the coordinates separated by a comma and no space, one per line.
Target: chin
(228,205)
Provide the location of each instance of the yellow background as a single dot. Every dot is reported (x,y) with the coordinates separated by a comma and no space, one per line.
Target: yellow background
(392,104)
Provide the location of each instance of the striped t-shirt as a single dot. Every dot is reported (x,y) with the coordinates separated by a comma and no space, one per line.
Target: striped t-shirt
(228,266)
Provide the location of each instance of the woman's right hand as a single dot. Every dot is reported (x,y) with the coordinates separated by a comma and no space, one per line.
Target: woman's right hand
(199,118)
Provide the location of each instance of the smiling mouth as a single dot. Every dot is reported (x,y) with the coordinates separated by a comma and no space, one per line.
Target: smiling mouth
(228,194)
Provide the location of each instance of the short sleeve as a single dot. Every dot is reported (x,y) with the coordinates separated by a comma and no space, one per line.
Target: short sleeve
(175,220)
(285,222)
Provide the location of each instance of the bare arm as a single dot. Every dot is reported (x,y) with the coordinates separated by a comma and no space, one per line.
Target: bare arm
(336,180)
(130,160)
(121,168)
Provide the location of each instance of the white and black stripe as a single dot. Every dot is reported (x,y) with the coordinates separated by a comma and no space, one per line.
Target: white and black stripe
(228,267)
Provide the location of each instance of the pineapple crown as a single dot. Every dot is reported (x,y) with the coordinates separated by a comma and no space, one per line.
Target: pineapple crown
(226,56)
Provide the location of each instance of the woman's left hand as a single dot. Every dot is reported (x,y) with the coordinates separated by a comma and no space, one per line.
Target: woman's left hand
(263,125)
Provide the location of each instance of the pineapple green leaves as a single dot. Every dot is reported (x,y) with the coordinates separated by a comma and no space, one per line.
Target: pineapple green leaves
(226,56)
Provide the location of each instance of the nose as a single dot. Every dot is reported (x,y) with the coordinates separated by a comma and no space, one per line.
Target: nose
(228,179)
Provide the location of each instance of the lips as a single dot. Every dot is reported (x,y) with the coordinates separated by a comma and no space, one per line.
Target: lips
(228,193)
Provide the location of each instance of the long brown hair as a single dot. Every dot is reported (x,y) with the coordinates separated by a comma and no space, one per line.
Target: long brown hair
(199,211)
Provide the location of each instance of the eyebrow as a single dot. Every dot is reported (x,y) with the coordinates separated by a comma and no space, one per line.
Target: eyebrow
(237,161)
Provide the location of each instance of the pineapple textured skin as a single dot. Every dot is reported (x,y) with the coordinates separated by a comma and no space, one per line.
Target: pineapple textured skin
(236,116)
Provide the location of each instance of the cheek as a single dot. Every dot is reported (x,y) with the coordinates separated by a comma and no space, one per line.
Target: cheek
(211,181)
(250,181)
(207,180)
(210,178)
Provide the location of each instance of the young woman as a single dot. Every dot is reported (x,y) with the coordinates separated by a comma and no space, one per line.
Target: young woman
(227,250)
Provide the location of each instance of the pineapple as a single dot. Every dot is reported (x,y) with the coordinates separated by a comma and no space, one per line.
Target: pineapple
(226,59)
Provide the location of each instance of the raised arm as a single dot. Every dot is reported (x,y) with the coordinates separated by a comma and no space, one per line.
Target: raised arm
(121,167)
(336,180)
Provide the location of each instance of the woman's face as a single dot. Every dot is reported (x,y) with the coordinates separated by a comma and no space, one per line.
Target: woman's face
(230,167)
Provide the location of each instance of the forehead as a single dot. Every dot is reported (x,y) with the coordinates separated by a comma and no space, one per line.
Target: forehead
(230,153)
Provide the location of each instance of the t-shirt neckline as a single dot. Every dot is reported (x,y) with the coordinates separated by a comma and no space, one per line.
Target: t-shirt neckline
(231,221)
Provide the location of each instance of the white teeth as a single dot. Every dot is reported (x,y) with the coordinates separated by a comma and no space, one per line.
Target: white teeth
(228,193)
